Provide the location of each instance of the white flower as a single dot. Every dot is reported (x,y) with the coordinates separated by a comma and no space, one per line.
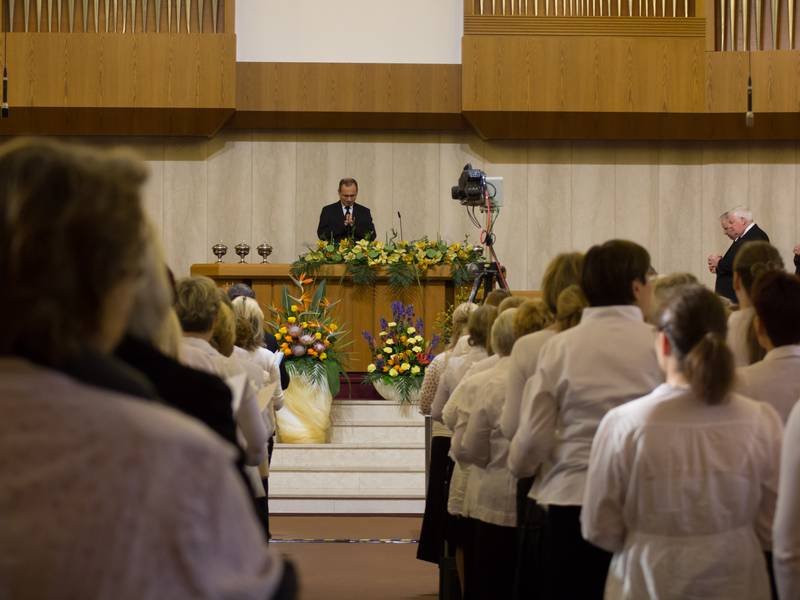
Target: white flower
(411,330)
(392,324)
(416,349)
(393,372)
(388,350)
(371,368)
(414,370)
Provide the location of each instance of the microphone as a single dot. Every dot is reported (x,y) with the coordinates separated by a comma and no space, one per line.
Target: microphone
(399,216)
(4,106)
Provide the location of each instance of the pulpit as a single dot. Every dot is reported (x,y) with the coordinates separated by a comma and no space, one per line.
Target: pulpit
(358,307)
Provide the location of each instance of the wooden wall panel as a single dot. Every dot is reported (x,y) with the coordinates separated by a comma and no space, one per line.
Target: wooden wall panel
(591,73)
(324,87)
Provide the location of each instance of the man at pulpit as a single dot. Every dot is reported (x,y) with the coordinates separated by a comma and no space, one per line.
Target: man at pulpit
(345,218)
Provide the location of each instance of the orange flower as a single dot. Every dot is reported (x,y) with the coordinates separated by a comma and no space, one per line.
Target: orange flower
(304,280)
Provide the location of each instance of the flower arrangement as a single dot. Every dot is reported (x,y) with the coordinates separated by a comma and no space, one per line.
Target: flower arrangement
(404,261)
(311,341)
(400,353)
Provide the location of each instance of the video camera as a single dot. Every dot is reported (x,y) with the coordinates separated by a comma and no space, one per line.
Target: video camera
(472,188)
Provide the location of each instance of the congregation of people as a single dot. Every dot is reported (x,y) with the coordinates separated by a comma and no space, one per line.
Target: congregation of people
(626,435)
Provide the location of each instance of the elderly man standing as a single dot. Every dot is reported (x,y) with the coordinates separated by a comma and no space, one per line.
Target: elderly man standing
(739,226)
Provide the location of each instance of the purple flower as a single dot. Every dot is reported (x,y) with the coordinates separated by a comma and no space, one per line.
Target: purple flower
(384,324)
(397,310)
(434,342)
(410,310)
(306,339)
(298,350)
(294,330)
(379,362)
(420,327)
(370,340)
(319,346)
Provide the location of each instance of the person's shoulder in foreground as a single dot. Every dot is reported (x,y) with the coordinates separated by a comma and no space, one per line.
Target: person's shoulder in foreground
(114,497)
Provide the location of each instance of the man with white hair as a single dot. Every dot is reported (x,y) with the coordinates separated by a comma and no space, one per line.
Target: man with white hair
(739,226)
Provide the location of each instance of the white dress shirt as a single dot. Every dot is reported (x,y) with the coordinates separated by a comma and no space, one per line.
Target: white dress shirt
(455,415)
(457,366)
(786,531)
(524,357)
(491,489)
(108,496)
(774,380)
(606,360)
(683,493)
(739,323)
(254,435)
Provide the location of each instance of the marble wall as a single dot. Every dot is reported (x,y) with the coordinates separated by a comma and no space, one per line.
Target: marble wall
(266,186)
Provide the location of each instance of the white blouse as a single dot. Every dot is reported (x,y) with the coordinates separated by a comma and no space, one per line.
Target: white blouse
(491,488)
(457,366)
(254,435)
(683,493)
(456,414)
(739,323)
(524,357)
(774,380)
(786,531)
(606,360)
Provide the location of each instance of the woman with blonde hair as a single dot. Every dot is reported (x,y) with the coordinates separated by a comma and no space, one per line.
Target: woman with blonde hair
(198,307)
(102,490)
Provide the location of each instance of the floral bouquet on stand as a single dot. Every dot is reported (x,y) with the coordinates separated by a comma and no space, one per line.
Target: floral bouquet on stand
(311,343)
(400,355)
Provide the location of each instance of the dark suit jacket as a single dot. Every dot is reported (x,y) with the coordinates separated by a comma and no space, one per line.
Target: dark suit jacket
(331,223)
(724,286)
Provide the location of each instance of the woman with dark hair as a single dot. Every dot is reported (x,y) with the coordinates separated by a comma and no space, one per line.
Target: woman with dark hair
(103,495)
(776,298)
(753,260)
(682,482)
(582,373)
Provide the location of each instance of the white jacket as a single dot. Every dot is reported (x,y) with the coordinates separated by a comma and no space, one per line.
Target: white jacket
(683,493)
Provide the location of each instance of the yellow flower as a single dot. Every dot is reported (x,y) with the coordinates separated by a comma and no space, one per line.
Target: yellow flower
(392,324)
(383,334)
(389,342)
(333,327)
(411,330)
(304,324)
(294,308)
(405,366)
(393,373)
(318,335)
(371,368)
(415,370)
(278,336)
(292,319)
(388,350)
(323,356)
(282,330)
(416,349)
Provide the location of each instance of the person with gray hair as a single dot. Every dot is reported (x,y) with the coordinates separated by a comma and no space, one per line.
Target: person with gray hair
(738,225)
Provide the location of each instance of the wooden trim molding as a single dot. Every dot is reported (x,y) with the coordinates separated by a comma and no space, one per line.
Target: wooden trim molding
(586,26)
